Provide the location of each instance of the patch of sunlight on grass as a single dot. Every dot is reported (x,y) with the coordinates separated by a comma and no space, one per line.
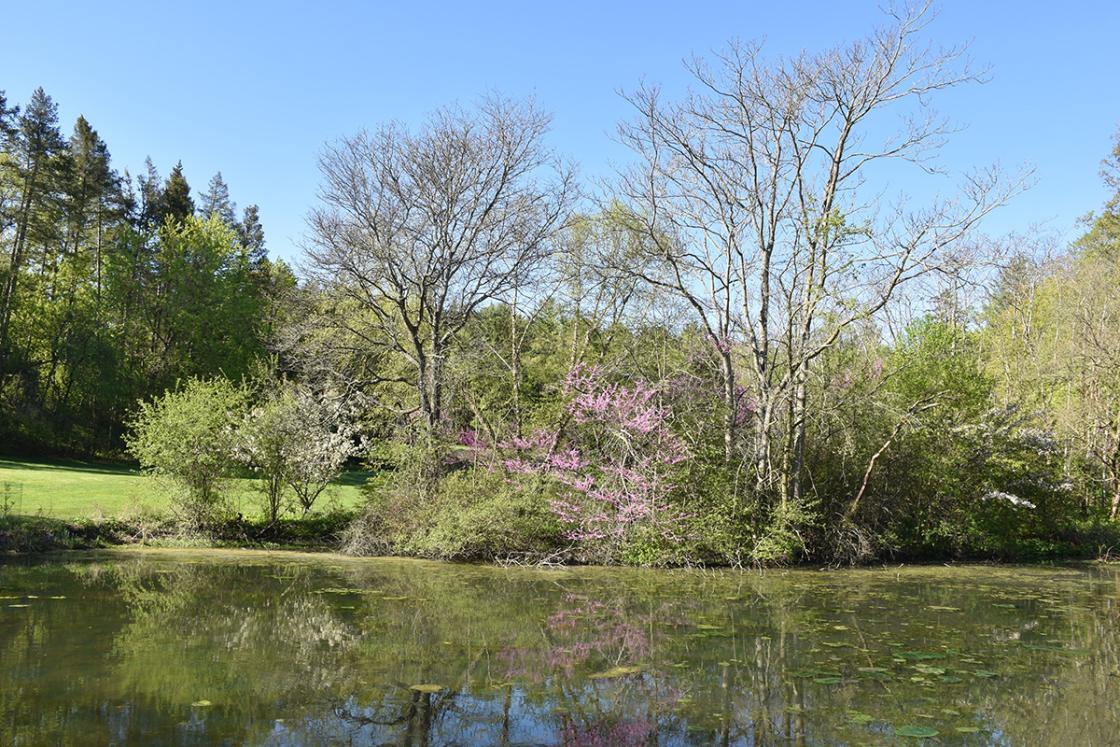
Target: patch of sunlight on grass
(72,489)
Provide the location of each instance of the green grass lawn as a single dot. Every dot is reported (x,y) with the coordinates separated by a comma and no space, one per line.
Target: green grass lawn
(71,489)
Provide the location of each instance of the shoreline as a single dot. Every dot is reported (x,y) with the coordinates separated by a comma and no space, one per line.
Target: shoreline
(23,536)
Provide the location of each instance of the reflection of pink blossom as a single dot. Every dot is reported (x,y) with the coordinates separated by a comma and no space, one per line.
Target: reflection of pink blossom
(584,634)
(620,733)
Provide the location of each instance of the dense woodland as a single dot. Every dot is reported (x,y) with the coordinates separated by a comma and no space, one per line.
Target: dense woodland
(114,289)
(742,350)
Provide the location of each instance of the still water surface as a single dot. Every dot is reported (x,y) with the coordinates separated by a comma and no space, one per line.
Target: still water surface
(215,648)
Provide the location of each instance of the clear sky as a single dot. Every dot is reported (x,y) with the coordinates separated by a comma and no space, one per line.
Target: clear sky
(254,89)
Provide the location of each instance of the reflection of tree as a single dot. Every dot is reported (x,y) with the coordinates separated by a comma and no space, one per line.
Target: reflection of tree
(310,653)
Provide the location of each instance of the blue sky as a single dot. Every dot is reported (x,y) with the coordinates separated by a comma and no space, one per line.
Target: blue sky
(255,89)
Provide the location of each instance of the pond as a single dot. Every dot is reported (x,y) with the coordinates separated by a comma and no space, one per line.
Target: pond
(210,647)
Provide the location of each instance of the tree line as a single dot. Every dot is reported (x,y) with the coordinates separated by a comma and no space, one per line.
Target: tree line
(113,289)
(738,351)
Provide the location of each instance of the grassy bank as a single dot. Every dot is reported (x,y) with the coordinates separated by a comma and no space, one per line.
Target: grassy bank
(71,504)
(33,534)
(63,504)
(75,489)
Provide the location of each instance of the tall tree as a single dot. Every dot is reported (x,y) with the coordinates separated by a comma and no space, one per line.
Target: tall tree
(9,117)
(151,195)
(749,193)
(175,199)
(251,233)
(216,201)
(36,163)
(419,229)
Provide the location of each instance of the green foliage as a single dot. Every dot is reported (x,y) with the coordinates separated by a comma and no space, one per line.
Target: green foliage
(187,436)
(108,296)
(263,442)
(468,514)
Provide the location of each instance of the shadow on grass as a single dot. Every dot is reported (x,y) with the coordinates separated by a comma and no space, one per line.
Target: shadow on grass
(71,465)
(21,534)
(354,478)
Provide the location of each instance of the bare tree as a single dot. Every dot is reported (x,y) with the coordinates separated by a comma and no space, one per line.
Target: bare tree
(419,229)
(752,193)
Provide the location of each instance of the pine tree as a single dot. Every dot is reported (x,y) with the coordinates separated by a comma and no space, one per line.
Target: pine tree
(8,130)
(175,201)
(216,202)
(93,193)
(251,233)
(151,195)
(38,150)
(8,117)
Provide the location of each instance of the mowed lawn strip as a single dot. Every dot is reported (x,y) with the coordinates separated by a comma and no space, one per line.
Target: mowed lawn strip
(73,489)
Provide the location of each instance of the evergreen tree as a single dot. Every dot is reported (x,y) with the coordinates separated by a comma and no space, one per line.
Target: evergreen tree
(216,202)
(92,194)
(175,201)
(251,233)
(8,117)
(8,130)
(37,151)
(151,195)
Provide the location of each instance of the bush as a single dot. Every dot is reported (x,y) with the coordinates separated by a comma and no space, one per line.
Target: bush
(296,440)
(186,437)
(470,514)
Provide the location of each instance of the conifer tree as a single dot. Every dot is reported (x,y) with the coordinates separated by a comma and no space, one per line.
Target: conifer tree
(175,201)
(251,233)
(151,194)
(37,153)
(216,202)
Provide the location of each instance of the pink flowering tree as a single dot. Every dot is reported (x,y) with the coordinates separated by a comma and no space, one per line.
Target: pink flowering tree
(613,458)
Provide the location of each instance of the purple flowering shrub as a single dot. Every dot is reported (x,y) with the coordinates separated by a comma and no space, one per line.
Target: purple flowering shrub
(613,459)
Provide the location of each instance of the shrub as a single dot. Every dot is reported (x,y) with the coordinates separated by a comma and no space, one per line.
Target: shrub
(295,440)
(187,437)
(469,514)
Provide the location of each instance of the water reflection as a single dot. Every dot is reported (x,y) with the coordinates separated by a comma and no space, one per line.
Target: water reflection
(219,648)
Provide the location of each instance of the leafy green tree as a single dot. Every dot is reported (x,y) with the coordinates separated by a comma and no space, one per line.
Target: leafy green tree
(209,306)
(187,435)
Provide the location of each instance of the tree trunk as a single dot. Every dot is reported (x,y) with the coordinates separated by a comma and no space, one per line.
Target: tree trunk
(730,420)
(515,364)
(18,245)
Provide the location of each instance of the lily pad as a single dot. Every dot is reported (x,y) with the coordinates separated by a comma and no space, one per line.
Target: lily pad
(426,688)
(921,655)
(918,732)
(615,672)
(201,703)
